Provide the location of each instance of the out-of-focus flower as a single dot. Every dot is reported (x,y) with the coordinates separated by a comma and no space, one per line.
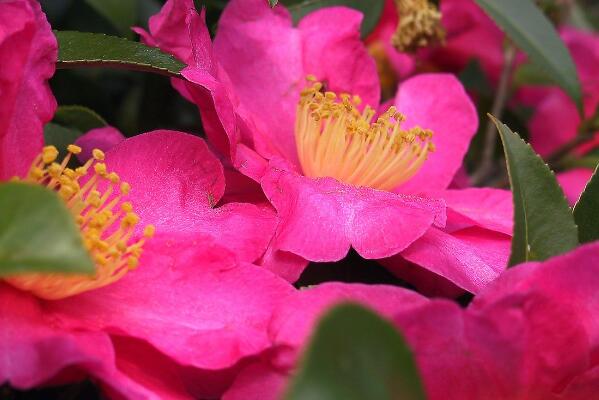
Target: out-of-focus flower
(531,334)
(337,174)
(165,301)
(556,120)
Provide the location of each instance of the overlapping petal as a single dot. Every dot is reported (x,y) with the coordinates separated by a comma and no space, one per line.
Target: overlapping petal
(321,218)
(176,184)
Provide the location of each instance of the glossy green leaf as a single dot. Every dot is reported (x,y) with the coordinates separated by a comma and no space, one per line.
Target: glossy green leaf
(356,355)
(272,3)
(586,211)
(83,49)
(372,10)
(38,233)
(79,117)
(532,32)
(543,223)
(122,14)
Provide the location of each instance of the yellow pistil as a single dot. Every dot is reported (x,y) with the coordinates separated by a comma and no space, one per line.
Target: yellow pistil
(335,139)
(94,197)
(419,25)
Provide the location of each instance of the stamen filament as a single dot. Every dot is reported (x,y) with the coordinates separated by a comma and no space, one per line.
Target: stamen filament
(335,139)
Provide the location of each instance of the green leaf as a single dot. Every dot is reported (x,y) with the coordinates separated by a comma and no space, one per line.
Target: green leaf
(122,14)
(356,355)
(38,233)
(530,74)
(543,224)
(372,10)
(532,32)
(60,136)
(272,3)
(83,49)
(586,211)
(79,117)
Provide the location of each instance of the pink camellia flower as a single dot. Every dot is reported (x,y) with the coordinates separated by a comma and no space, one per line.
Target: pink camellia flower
(165,302)
(532,334)
(338,175)
(556,120)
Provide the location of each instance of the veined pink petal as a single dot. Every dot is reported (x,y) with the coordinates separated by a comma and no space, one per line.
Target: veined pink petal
(487,208)
(321,218)
(438,102)
(470,259)
(28,51)
(176,183)
(187,298)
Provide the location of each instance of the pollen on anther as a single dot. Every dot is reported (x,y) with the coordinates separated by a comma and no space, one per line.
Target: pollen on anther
(338,138)
(107,223)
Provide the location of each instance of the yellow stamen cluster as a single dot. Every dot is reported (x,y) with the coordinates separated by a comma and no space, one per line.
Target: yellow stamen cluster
(94,196)
(335,139)
(419,25)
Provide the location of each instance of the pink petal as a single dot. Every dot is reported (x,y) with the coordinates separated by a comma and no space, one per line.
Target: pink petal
(267,73)
(483,207)
(168,170)
(554,123)
(284,264)
(28,51)
(187,298)
(570,279)
(296,317)
(332,51)
(470,259)
(321,218)
(257,381)
(34,350)
(176,183)
(179,30)
(438,102)
(104,138)
(573,182)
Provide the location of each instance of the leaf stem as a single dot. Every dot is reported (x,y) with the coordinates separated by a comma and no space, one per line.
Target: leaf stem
(490,133)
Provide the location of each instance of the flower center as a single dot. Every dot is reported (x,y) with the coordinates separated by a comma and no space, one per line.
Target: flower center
(334,139)
(106,223)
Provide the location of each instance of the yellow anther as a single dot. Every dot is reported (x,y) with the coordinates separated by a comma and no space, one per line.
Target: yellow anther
(126,207)
(125,188)
(98,154)
(49,154)
(132,262)
(335,138)
(130,219)
(100,169)
(310,78)
(105,222)
(113,177)
(149,231)
(54,170)
(73,149)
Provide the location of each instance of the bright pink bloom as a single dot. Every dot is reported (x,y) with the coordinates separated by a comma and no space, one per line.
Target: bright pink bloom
(531,334)
(556,120)
(320,218)
(193,288)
